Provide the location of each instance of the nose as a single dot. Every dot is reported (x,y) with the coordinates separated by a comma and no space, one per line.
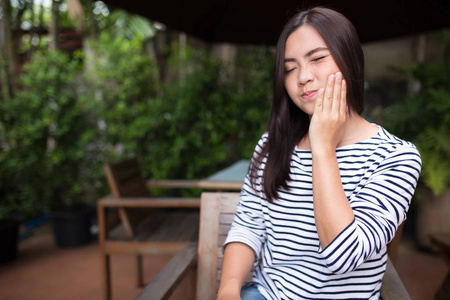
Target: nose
(305,75)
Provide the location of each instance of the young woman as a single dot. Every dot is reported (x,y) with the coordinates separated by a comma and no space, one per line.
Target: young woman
(326,189)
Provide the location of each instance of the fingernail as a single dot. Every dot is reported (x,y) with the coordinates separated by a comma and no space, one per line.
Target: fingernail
(343,82)
(331,78)
(338,75)
(321,91)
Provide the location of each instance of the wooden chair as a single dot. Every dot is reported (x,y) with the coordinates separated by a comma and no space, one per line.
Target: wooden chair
(132,222)
(216,215)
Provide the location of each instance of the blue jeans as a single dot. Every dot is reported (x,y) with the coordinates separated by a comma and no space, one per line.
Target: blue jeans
(250,292)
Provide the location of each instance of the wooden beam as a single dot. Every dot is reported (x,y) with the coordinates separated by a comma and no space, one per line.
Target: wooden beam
(150,202)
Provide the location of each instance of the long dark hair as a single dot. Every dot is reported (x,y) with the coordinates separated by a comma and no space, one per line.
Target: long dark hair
(287,123)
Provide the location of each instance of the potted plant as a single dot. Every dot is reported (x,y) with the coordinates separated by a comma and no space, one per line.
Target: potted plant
(50,136)
(70,154)
(20,164)
(9,230)
(424,119)
(17,202)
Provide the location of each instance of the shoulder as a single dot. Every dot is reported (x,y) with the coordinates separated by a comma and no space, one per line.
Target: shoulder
(265,136)
(392,145)
(389,139)
(263,140)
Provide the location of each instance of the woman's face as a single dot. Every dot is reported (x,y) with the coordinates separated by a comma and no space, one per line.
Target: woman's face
(307,65)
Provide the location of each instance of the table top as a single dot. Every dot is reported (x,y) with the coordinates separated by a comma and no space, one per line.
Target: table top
(235,172)
(230,178)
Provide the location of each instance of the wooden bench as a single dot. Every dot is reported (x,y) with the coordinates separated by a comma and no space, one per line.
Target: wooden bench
(132,222)
(216,215)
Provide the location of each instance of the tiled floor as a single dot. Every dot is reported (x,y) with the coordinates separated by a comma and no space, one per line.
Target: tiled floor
(44,271)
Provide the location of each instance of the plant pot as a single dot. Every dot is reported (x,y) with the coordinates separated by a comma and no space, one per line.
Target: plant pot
(71,228)
(432,216)
(9,230)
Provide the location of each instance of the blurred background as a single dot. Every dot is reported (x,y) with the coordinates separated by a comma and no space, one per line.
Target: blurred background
(187,91)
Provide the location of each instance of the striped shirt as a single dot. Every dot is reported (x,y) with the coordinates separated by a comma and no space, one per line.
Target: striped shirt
(379,176)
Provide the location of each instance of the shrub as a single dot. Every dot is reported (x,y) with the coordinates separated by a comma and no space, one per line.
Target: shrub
(424,119)
(46,134)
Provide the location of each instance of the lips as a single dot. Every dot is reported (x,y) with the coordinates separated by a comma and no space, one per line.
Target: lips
(309,94)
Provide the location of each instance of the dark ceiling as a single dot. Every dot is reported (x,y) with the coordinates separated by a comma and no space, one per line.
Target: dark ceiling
(260,22)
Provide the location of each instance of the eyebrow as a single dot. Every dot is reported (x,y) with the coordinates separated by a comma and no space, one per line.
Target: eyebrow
(310,53)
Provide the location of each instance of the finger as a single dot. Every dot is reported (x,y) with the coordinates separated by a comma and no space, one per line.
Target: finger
(328,96)
(337,90)
(319,100)
(343,107)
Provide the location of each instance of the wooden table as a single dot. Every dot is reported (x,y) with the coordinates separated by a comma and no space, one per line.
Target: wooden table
(441,244)
(228,179)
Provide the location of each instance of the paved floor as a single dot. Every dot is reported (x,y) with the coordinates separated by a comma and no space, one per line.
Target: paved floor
(44,271)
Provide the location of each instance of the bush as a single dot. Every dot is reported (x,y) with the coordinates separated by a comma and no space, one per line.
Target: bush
(46,134)
(206,117)
(73,115)
(424,119)
(122,87)
(212,115)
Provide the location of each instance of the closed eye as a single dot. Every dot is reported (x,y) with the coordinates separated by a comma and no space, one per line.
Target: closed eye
(289,70)
(319,58)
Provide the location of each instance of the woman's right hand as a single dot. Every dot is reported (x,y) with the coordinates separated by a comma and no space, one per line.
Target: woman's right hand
(330,114)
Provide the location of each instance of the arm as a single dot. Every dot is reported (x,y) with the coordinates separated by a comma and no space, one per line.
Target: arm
(332,210)
(237,262)
(353,230)
(244,241)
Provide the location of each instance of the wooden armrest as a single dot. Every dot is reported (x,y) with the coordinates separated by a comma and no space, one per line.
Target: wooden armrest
(174,184)
(392,287)
(163,285)
(220,185)
(111,201)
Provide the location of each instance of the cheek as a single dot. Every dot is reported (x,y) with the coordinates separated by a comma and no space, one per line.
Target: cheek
(289,86)
(334,69)
(290,83)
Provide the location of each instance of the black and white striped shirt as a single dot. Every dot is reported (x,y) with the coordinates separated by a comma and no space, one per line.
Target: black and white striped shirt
(379,176)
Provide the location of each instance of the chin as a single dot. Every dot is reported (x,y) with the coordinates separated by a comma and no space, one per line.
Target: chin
(308,109)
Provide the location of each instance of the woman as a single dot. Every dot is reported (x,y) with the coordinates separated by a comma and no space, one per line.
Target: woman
(326,190)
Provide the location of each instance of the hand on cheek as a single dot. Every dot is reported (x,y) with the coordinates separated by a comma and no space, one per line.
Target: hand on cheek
(330,114)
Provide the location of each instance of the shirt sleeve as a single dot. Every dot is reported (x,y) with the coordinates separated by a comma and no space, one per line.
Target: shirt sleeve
(379,206)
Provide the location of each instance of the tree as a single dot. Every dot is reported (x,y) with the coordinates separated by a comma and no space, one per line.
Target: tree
(9,55)
(54,25)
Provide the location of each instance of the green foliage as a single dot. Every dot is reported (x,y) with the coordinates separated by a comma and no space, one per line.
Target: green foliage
(211,115)
(207,116)
(129,27)
(122,86)
(252,91)
(46,132)
(424,119)
(70,118)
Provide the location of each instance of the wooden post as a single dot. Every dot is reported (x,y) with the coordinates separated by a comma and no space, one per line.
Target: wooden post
(104,258)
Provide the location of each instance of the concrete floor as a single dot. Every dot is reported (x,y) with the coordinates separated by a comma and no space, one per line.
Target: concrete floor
(44,271)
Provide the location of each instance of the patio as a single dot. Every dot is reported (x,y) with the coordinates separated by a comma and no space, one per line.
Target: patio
(44,271)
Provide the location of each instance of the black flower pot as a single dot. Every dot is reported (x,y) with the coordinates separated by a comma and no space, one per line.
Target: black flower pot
(9,230)
(71,228)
